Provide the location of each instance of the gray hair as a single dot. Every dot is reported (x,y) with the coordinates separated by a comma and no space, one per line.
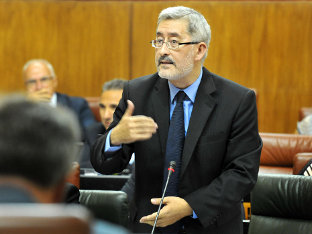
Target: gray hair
(37,142)
(45,62)
(198,27)
(114,84)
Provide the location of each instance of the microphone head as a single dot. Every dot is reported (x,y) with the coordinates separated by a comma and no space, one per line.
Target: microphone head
(172,164)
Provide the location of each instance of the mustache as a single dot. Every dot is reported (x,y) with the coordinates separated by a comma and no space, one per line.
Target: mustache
(165,59)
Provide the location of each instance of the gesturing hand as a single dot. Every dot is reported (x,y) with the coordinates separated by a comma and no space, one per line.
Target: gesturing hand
(133,128)
(175,208)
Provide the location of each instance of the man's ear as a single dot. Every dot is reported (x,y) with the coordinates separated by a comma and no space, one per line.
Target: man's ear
(201,51)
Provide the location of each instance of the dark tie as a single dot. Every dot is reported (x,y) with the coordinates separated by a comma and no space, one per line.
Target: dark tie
(174,149)
(175,142)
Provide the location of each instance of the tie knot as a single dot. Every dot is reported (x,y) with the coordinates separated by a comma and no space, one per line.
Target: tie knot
(180,96)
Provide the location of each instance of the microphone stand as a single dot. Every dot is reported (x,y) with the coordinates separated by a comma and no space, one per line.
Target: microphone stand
(171,170)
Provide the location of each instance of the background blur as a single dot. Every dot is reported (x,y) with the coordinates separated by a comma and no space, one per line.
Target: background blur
(264,45)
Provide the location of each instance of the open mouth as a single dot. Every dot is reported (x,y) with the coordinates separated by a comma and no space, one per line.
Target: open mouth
(165,62)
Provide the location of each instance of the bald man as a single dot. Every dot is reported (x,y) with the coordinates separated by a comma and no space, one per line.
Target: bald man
(41,84)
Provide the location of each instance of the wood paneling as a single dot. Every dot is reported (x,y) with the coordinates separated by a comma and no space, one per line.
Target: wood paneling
(86,42)
(262,45)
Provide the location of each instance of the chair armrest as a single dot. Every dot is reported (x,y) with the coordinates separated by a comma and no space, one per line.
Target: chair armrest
(300,160)
(74,176)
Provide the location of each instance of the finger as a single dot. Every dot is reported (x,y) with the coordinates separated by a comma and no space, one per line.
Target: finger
(42,91)
(143,118)
(142,130)
(141,137)
(155,201)
(143,122)
(148,218)
(130,108)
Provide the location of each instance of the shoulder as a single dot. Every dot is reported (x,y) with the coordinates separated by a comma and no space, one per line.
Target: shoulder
(142,87)
(222,82)
(71,99)
(144,81)
(226,87)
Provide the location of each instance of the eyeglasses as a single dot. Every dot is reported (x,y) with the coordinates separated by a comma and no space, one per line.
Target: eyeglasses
(172,45)
(43,80)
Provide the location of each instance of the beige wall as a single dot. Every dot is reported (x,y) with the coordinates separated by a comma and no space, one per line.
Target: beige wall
(262,45)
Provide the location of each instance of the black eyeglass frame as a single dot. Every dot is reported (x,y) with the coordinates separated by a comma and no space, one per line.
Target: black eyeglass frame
(43,79)
(179,43)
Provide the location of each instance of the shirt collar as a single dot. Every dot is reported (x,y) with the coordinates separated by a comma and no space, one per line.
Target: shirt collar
(190,91)
(53,101)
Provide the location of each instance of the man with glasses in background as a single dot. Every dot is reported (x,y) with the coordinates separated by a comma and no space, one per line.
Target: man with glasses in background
(41,84)
(184,113)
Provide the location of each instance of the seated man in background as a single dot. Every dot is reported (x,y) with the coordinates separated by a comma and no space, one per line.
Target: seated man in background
(38,145)
(304,126)
(41,83)
(110,97)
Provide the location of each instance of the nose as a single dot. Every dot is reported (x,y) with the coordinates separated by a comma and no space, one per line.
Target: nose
(107,114)
(38,85)
(163,50)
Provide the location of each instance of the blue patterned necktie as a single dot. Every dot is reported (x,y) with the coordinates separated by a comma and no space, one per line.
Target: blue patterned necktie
(174,149)
(175,142)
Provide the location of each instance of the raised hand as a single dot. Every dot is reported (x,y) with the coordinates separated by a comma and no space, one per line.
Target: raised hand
(42,95)
(133,128)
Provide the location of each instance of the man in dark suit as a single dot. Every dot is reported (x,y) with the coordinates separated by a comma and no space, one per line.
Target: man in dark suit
(221,152)
(109,99)
(41,83)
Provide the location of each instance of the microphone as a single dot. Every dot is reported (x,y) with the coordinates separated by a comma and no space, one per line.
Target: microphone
(171,168)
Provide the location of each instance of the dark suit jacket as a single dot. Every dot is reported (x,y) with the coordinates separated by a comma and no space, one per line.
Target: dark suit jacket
(92,133)
(221,154)
(80,108)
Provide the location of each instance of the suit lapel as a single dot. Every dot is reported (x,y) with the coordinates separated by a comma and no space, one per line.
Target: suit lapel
(203,106)
(60,99)
(160,100)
